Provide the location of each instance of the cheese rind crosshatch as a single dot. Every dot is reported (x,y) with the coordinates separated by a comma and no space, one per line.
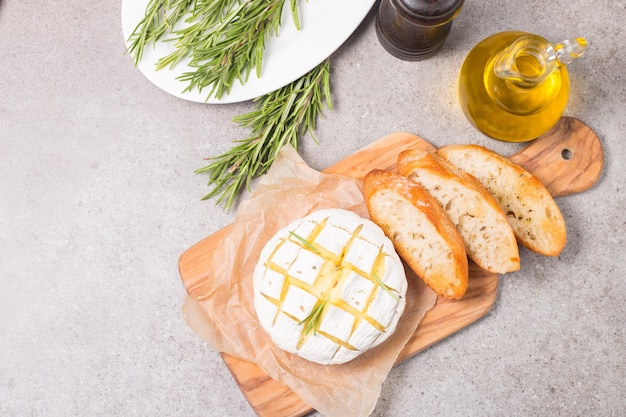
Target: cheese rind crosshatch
(329,286)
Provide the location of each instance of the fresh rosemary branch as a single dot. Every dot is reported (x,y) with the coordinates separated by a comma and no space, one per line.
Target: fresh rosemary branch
(236,49)
(312,321)
(205,22)
(384,286)
(223,39)
(159,17)
(304,242)
(279,118)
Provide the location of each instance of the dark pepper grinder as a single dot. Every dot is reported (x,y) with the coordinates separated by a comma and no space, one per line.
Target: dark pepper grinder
(415,29)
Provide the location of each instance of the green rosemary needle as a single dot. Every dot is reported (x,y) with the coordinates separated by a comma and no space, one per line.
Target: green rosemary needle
(160,16)
(312,321)
(237,49)
(223,39)
(304,242)
(205,24)
(279,118)
(384,286)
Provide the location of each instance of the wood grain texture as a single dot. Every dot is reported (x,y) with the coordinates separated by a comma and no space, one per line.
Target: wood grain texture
(567,159)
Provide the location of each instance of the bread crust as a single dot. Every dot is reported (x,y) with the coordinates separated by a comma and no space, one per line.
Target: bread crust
(486,232)
(532,212)
(421,231)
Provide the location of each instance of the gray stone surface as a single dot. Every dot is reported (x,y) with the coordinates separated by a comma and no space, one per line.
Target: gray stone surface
(98,199)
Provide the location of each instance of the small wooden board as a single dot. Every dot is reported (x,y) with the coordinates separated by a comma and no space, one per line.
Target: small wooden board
(567,159)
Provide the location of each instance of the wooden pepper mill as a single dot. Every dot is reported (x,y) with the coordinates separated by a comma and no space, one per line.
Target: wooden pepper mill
(415,29)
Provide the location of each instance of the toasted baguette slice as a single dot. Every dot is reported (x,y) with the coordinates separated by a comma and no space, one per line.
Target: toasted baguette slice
(487,234)
(420,230)
(534,215)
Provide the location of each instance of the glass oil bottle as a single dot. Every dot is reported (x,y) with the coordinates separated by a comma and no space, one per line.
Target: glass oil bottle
(514,86)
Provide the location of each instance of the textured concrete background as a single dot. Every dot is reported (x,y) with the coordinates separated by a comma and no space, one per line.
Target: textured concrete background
(98,199)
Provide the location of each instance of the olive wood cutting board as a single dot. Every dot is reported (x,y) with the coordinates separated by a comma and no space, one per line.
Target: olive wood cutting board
(568,159)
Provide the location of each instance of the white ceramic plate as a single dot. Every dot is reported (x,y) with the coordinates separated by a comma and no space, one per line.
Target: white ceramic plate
(325,25)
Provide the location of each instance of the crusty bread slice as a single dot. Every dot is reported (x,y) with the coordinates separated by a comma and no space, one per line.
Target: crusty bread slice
(487,234)
(421,231)
(534,215)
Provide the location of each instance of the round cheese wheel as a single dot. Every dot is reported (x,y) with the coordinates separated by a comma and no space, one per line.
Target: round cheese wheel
(329,286)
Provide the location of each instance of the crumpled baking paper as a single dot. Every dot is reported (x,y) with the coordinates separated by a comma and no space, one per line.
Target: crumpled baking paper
(222,312)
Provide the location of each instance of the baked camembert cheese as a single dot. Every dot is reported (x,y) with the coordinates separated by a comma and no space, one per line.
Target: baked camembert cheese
(329,286)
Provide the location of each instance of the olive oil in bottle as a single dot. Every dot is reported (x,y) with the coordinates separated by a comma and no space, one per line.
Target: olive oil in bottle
(514,86)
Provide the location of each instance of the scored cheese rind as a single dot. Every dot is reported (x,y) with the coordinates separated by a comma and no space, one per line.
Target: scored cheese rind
(340,265)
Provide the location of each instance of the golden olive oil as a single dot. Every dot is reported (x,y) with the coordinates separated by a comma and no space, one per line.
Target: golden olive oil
(518,107)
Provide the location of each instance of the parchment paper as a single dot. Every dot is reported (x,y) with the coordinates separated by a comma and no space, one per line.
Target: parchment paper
(224,315)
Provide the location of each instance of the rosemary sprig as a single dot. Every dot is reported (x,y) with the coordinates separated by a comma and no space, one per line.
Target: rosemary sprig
(160,16)
(235,50)
(223,39)
(312,321)
(384,286)
(280,118)
(206,21)
(304,241)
